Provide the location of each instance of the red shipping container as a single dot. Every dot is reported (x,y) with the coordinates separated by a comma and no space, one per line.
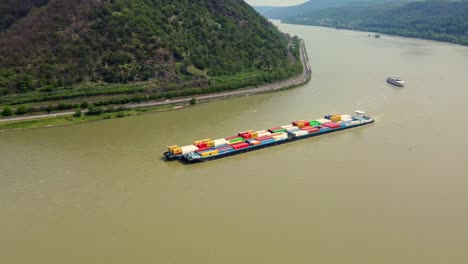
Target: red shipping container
(246,136)
(312,130)
(239,145)
(332,125)
(202,145)
(264,138)
(203,149)
(306,128)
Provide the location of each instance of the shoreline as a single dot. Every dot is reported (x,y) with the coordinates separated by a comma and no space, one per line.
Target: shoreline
(176,103)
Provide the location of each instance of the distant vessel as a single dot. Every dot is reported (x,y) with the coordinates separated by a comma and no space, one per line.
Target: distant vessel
(396,81)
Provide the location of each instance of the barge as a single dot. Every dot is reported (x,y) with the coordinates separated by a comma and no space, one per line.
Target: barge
(246,141)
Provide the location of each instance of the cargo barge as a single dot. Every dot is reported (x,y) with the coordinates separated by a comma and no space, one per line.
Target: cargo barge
(246,141)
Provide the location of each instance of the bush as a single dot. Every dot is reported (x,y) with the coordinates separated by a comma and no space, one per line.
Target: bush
(120,115)
(7,111)
(193,101)
(77,113)
(84,105)
(21,110)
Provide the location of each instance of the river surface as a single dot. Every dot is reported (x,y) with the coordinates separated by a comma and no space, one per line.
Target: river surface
(391,192)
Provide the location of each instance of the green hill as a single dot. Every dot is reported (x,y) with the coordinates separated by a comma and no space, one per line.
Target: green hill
(443,20)
(58,47)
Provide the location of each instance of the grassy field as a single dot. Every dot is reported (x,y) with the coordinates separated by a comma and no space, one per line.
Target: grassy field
(70,119)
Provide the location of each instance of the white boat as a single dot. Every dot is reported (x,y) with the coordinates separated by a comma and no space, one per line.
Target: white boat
(396,81)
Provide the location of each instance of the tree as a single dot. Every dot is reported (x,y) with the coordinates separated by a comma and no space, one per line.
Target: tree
(77,113)
(193,101)
(21,110)
(7,111)
(84,105)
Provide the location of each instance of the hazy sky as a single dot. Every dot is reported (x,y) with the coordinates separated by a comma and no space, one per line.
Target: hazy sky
(275,2)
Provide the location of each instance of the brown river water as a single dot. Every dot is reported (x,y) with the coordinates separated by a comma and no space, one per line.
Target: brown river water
(391,192)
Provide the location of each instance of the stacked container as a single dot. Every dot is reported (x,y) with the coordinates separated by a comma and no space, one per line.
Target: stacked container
(300,133)
(322,121)
(225,149)
(293,128)
(311,129)
(315,123)
(332,125)
(277,130)
(279,136)
(188,149)
(253,142)
(301,123)
(287,126)
(335,118)
(208,153)
(346,118)
(239,145)
(261,133)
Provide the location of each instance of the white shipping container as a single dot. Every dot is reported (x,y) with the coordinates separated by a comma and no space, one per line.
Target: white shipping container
(323,120)
(219,142)
(278,138)
(264,134)
(188,149)
(355,122)
(287,126)
(292,129)
(300,133)
(346,117)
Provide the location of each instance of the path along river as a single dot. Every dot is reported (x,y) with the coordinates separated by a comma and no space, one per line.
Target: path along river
(392,192)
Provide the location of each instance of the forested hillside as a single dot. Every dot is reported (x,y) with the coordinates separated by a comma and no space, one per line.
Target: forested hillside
(441,20)
(52,45)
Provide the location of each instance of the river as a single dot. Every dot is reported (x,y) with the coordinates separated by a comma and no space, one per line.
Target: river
(391,192)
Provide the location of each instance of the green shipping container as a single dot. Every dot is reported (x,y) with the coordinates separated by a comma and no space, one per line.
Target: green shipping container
(236,140)
(315,123)
(280,130)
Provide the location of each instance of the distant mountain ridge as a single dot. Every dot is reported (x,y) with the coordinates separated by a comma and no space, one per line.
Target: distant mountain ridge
(283,12)
(60,43)
(443,20)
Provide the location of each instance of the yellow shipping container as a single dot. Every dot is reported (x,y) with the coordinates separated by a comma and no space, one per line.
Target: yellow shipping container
(210,143)
(335,118)
(200,141)
(176,151)
(170,148)
(209,153)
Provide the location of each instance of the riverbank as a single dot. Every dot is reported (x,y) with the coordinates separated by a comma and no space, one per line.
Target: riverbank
(67,118)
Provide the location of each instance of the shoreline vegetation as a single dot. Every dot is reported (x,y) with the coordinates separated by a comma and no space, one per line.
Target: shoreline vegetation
(72,111)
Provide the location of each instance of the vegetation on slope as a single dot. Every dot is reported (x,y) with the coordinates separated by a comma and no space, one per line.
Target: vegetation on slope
(70,48)
(436,20)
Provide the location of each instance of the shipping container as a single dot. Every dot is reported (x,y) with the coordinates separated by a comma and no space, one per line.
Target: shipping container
(219,142)
(287,126)
(313,130)
(264,138)
(188,149)
(202,145)
(294,128)
(246,136)
(300,133)
(346,118)
(335,118)
(267,141)
(239,145)
(324,128)
(200,141)
(314,123)
(209,153)
(245,132)
(231,137)
(322,121)
(331,125)
(355,122)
